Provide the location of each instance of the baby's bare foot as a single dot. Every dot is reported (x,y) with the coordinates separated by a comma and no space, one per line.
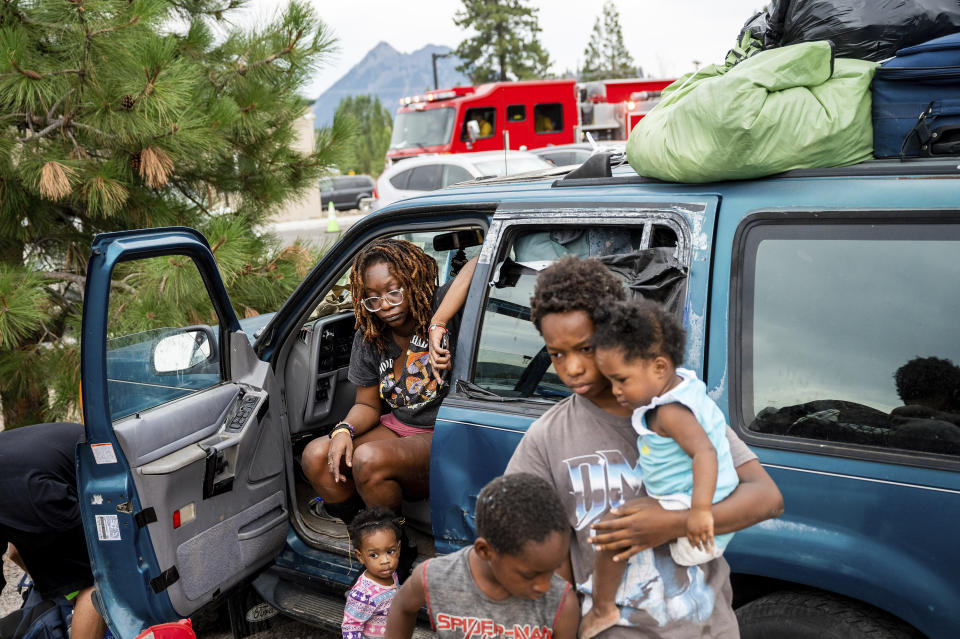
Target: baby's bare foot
(597,620)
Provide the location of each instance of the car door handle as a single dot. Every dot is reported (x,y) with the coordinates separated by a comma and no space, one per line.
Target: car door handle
(255,528)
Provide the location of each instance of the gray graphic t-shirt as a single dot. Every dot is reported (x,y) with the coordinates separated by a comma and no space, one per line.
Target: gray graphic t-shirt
(590,457)
(459,609)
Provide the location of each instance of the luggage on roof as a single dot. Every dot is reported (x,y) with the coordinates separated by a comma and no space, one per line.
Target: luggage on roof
(916,101)
(781,109)
(872,30)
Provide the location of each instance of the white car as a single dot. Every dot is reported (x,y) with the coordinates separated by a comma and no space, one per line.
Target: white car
(431,172)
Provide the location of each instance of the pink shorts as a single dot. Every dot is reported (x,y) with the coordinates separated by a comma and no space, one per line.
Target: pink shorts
(401,429)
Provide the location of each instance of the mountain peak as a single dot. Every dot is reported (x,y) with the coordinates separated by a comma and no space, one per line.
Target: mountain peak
(390,75)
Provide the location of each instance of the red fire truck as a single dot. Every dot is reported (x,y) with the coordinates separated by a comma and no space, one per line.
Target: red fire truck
(609,109)
(488,117)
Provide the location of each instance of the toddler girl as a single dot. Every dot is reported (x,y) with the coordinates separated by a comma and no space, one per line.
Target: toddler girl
(684,455)
(375,535)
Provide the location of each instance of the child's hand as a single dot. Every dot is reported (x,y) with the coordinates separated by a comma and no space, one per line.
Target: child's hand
(700,529)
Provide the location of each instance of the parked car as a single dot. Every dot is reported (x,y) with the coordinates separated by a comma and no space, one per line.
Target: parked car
(431,172)
(345,191)
(821,308)
(576,153)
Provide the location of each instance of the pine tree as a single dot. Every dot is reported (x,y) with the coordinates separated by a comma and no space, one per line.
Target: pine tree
(372,126)
(118,114)
(606,55)
(507,44)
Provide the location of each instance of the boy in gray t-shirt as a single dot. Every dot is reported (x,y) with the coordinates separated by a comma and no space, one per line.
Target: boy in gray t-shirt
(505,584)
(585,447)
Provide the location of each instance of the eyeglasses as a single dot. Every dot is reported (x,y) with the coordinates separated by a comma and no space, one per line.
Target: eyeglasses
(392,298)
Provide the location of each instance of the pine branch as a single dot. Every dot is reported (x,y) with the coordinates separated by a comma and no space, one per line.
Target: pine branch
(33,75)
(82,281)
(134,20)
(43,132)
(58,103)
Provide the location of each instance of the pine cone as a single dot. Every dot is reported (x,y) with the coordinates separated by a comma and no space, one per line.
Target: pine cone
(127,102)
(135,161)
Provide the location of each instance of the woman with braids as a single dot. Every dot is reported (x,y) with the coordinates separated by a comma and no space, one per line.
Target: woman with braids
(406,327)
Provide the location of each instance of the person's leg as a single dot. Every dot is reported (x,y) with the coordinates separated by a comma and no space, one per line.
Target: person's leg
(314,464)
(607,575)
(385,471)
(87,622)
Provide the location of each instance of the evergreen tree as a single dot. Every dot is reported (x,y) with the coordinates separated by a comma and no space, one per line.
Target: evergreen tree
(118,114)
(606,55)
(372,126)
(507,44)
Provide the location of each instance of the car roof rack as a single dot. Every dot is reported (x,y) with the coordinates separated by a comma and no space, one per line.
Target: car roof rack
(596,166)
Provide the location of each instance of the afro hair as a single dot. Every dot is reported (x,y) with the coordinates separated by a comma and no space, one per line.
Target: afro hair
(573,284)
(641,329)
(516,509)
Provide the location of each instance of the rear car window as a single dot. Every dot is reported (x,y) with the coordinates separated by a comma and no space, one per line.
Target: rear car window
(425,178)
(849,334)
(399,181)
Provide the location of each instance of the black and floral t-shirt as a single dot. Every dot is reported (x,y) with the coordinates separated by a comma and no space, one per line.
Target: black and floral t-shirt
(415,398)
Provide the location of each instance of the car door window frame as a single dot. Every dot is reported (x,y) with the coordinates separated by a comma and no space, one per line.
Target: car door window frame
(499,239)
(739,308)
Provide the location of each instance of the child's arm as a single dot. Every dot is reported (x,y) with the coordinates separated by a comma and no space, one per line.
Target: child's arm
(678,423)
(402,618)
(568,618)
(452,302)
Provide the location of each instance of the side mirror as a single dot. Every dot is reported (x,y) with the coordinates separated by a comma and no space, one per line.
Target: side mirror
(473,130)
(186,350)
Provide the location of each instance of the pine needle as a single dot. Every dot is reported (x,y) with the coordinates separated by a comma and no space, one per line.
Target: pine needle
(55,180)
(155,167)
(104,195)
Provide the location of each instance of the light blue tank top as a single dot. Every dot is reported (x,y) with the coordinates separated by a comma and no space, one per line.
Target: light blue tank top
(667,469)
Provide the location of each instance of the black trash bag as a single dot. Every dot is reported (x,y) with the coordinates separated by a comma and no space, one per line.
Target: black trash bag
(873,30)
(652,274)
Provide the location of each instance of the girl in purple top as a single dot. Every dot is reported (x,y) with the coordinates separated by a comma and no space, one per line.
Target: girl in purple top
(375,535)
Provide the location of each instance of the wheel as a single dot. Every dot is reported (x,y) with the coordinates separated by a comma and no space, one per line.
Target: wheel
(815,615)
(360,199)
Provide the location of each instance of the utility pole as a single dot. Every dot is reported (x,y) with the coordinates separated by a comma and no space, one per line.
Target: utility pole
(433,59)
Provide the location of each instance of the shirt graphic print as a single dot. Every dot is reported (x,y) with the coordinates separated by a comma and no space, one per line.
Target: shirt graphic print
(417,385)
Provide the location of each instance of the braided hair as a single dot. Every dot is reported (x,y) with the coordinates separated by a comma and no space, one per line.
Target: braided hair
(417,274)
(370,520)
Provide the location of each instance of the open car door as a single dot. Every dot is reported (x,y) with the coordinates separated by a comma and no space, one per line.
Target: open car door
(181,477)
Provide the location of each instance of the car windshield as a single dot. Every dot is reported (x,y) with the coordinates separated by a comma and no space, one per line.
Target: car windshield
(500,167)
(422,128)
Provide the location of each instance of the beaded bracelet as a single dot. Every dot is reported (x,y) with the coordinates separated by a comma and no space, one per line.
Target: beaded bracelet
(348,426)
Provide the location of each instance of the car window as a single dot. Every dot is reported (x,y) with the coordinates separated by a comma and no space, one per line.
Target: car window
(399,181)
(161,346)
(516,113)
(849,334)
(486,118)
(453,174)
(326,184)
(548,118)
(425,178)
(512,360)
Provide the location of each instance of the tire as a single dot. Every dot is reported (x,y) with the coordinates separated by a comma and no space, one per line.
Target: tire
(815,615)
(362,195)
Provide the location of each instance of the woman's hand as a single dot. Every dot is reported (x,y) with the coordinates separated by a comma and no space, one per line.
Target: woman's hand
(639,524)
(439,352)
(341,449)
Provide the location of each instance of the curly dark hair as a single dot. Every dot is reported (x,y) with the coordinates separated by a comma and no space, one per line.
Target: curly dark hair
(573,284)
(640,329)
(417,274)
(370,520)
(515,509)
(925,378)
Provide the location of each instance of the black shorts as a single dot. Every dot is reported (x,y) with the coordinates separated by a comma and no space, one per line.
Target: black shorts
(57,561)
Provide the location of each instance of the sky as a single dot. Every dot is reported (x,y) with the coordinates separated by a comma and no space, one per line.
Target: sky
(665,37)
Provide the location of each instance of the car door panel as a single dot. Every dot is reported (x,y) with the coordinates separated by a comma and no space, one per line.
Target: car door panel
(190,499)
(152,434)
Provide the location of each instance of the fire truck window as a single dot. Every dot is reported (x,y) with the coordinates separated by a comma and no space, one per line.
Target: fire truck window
(453,174)
(516,113)
(486,117)
(548,118)
(425,178)
(399,181)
